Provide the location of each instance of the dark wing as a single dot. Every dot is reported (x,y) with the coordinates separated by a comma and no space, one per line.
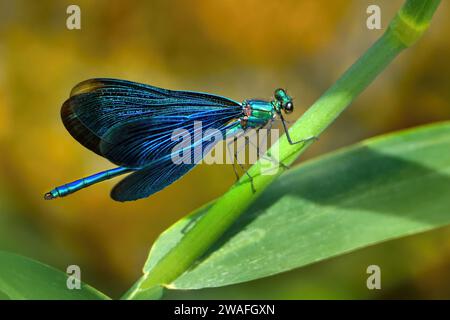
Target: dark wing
(139,142)
(157,175)
(128,122)
(149,180)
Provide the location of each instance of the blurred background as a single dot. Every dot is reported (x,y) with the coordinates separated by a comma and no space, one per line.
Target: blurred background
(239,49)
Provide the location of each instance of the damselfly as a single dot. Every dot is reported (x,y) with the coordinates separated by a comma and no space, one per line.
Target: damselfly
(130,124)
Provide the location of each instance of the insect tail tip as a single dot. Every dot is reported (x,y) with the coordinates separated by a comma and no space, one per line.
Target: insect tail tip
(48,196)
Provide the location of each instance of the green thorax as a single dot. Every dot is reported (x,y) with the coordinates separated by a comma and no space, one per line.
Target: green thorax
(258,113)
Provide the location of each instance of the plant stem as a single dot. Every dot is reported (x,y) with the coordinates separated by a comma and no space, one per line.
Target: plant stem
(405,29)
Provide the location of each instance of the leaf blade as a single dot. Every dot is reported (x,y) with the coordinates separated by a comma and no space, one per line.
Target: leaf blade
(381,189)
(24,278)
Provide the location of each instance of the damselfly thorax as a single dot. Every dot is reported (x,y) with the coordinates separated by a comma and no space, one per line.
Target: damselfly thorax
(257,113)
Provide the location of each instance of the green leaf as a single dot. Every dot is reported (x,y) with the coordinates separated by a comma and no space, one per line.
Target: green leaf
(384,188)
(24,278)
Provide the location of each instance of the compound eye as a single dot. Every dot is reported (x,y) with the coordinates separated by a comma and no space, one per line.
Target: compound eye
(289,107)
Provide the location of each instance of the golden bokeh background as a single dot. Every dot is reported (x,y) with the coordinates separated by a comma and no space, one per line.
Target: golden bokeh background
(239,49)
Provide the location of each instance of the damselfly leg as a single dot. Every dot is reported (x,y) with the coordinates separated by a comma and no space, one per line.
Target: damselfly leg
(305,140)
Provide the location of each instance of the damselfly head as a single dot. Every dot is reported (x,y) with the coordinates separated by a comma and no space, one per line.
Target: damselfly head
(284,100)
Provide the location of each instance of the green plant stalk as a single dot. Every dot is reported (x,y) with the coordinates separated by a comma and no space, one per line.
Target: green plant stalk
(404,30)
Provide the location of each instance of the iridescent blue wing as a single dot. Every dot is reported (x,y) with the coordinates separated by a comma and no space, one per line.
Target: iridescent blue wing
(157,175)
(96,105)
(131,123)
(142,141)
(149,180)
